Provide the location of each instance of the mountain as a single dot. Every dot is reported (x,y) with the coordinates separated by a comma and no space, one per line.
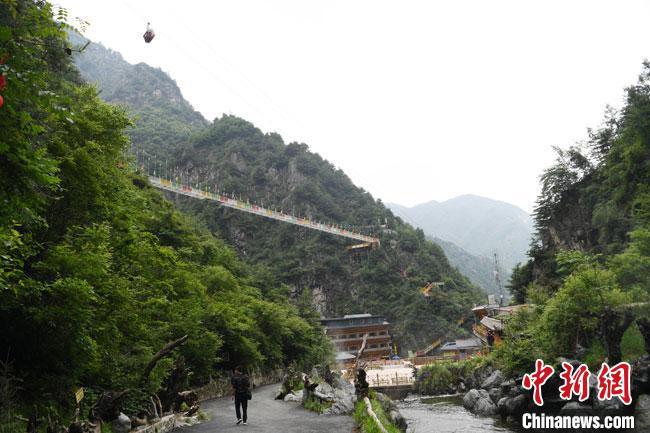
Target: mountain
(479,225)
(163,119)
(231,154)
(479,269)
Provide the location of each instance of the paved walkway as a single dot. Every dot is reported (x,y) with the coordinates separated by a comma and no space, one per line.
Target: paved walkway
(266,415)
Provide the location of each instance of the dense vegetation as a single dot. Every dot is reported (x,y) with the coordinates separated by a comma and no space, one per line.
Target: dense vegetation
(592,246)
(234,156)
(97,270)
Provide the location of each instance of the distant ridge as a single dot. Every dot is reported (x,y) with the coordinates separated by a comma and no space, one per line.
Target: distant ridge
(476,226)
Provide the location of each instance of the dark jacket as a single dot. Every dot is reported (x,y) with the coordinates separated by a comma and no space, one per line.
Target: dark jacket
(241,384)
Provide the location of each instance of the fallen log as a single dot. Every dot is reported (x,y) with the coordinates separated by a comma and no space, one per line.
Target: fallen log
(373,415)
(194,409)
(166,350)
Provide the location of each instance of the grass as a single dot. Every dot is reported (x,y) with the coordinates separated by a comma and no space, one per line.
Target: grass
(367,424)
(315,405)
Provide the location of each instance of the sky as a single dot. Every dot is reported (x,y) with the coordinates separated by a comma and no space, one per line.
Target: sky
(414,100)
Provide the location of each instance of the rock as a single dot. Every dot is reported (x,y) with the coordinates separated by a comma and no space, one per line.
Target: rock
(280,393)
(398,420)
(485,407)
(512,406)
(479,402)
(324,391)
(607,407)
(469,400)
(461,388)
(642,413)
(501,406)
(121,424)
(576,408)
(495,379)
(344,398)
(495,394)
(344,401)
(475,379)
(508,386)
(641,375)
(294,397)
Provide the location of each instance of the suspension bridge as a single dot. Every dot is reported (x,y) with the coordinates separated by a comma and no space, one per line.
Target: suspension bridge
(245,206)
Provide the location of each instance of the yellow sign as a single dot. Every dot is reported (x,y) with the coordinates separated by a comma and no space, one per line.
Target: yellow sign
(79,395)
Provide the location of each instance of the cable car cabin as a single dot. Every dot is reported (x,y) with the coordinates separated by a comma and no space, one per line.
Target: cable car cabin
(149,34)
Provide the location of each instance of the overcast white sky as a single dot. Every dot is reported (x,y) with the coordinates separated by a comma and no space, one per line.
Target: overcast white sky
(414,100)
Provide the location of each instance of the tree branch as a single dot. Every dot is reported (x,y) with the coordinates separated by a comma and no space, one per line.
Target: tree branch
(166,350)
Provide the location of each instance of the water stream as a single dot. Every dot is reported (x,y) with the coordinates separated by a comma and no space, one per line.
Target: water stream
(445,414)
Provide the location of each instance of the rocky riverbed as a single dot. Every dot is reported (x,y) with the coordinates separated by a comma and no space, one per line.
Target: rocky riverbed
(487,392)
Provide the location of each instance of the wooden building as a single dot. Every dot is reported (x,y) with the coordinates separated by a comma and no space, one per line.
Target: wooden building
(489,322)
(347,335)
(461,349)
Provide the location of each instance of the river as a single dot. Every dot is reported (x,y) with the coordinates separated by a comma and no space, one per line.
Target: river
(445,415)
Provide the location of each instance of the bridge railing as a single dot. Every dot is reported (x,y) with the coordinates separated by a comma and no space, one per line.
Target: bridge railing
(378,380)
(245,206)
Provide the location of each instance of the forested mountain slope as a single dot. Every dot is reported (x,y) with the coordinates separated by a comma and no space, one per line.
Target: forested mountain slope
(163,118)
(97,270)
(236,157)
(479,269)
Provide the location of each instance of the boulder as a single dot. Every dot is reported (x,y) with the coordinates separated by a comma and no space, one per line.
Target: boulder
(398,420)
(573,408)
(485,407)
(494,380)
(608,407)
(495,394)
(475,379)
(469,400)
(512,406)
(121,424)
(324,391)
(280,393)
(508,386)
(294,397)
(479,402)
(461,388)
(641,375)
(344,401)
(642,413)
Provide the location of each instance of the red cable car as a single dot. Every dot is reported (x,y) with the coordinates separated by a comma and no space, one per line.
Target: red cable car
(149,34)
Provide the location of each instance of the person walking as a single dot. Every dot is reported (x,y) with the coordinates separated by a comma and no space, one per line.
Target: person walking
(241,387)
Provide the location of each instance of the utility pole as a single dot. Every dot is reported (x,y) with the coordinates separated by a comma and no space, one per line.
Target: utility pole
(497,277)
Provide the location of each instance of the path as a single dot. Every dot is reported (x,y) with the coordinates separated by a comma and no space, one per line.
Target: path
(266,415)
